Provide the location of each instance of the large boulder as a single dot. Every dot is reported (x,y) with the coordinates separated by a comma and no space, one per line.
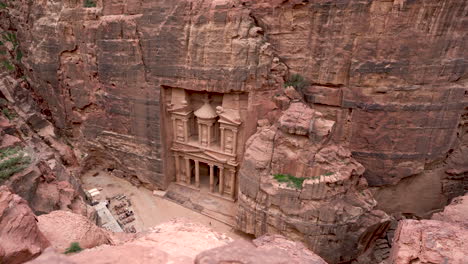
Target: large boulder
(273,249)
(63,228)
(444,239)
(177,241)
(429,241)
(455,212)
(20,237)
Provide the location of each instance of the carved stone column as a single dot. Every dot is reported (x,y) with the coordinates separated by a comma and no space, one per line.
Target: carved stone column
(210,134)
(234,143)
(199,134)
(177,167)
(187,170)
(174,129)
(233,183)
(186,132)
(222,138)
(211,178)
(197,173)
(221,180)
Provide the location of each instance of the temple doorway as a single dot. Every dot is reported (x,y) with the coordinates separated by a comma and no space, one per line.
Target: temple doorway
(205,177)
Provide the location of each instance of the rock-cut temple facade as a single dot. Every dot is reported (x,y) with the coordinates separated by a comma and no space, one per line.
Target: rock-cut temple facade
(205,140)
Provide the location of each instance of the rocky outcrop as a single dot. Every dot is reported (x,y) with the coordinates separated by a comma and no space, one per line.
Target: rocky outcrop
(20,237)
(182,242)
(47,181)
(440,240)
(456,212)
(62,228)
(389,74)
(429,241)
(325,202)
(178,241)
(266,249)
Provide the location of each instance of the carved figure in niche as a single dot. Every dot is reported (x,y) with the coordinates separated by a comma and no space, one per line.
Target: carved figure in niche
(180,131)
(219,110)
(204,135)
(229,142)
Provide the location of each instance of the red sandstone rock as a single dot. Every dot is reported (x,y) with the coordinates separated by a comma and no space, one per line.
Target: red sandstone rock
(20,237)
(389,75)
(62,228)
(9,141)
(50,256)
(429,241)
(178,241)
(332,211)
(269,249)
(441,240)
(455,212)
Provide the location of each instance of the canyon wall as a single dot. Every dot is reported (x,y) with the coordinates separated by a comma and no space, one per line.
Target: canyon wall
(391,75)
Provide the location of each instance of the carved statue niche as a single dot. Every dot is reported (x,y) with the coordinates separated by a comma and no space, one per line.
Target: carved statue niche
(229,119)
(181,114)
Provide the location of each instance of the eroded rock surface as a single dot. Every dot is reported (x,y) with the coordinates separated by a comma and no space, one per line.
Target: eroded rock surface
(178,241)
(62,228)
(429,241)
(48,180)
(387,72)
(455,212)
(266,249)
(440,240)
(20,237)
(332,211)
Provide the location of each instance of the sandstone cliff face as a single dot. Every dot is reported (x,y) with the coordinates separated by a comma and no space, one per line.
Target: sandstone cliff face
(390,73)
(47,180)
(20,238)
(331,211)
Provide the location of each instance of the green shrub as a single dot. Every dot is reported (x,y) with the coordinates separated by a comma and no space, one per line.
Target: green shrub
(89,3)
(292,181)
(74,247)
(328,174)
(12,160)
(6,112)
(297,81)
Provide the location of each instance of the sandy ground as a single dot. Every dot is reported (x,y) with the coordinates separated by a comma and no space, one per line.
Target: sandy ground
(151,210)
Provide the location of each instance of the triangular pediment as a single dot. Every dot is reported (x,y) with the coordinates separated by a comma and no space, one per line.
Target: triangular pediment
(203,154)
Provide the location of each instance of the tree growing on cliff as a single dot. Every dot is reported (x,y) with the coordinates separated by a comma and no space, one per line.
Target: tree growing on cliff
(298,82)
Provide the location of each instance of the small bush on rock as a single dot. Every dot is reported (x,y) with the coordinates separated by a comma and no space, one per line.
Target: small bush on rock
(297,81)
(12,160)
(74,248)
(292,181)
(89,3)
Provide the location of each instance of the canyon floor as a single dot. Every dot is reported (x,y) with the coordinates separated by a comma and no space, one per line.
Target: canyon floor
(151,210)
